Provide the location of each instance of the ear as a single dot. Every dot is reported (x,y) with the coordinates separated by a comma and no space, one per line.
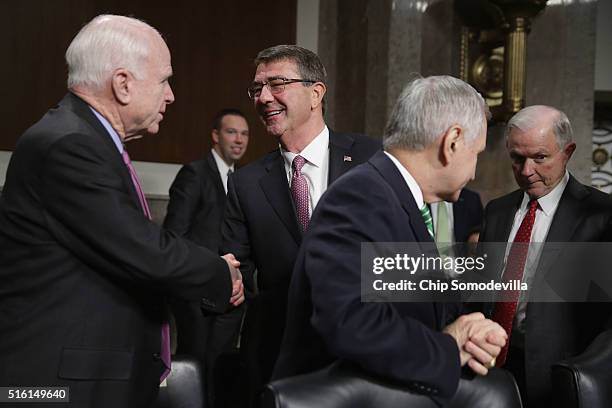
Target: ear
(569,149)
(215,136)
(122,85)
(318,92)
(449,143)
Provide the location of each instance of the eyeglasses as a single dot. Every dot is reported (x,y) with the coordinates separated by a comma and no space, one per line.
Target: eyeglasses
(275,85)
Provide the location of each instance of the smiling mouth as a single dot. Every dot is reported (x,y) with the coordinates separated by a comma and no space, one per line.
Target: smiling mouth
(272,113)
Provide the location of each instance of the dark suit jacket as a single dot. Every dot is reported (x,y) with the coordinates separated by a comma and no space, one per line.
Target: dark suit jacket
(554,331)
(197,203)
(261,229)
(327,319)
(467,214)
(83,272)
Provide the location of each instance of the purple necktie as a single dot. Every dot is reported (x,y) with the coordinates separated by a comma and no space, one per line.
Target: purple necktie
(299,191)
(165,330)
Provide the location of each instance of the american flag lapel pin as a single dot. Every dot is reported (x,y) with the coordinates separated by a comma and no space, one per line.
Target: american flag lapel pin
(347,159)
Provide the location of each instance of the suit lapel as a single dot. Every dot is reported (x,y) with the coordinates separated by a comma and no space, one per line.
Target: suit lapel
(503,222)
(568,215)
(392,175)
(82,110)
(340,158)
(212,166)
(276,189)
(565,221)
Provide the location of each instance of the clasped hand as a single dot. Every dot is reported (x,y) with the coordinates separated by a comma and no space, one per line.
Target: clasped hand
(479,341)
(237,286)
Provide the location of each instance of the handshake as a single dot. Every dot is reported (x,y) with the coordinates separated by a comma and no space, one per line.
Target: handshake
(479,340)
(237,286)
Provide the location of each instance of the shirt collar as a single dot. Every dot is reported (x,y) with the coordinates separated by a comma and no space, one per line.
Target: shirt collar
(221,164)
(417,194)
(549,202)
(113,134)
(314,153)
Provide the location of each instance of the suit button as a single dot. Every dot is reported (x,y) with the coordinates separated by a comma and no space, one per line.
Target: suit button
(156,356)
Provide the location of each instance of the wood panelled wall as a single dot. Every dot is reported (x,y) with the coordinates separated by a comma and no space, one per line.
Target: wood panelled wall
(213,44)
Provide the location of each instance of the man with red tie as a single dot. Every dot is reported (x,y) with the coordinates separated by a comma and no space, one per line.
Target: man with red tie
(85,272)
(550,206)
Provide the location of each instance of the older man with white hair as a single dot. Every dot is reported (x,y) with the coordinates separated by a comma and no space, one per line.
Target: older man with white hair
(85,272)
(431,144)
(549,206)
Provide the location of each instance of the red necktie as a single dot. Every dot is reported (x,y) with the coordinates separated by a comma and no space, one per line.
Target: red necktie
(504,311)
(165,329)
(299,191)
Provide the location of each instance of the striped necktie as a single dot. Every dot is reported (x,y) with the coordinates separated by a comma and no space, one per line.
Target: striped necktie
(426,214)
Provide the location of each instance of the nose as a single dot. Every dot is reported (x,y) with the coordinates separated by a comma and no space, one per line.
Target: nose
(265,95)
(527,168)
(169,95)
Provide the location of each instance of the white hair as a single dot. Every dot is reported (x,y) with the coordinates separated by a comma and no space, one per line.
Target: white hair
(533,116)
(428,107)
(106,43)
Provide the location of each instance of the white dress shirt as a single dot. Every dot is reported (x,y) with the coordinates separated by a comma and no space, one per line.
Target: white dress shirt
(223,168)
(417,194)
(316,168)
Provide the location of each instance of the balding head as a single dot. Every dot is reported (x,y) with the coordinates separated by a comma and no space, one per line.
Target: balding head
(106,43)
(545,118)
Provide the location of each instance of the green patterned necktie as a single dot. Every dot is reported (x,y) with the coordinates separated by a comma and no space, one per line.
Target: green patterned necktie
(428,220)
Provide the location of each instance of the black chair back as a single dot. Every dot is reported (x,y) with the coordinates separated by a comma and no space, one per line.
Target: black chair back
(184,386)
(344,386)
(586,380)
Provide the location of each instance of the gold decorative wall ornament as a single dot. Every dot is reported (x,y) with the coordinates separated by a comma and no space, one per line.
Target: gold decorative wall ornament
(494,50)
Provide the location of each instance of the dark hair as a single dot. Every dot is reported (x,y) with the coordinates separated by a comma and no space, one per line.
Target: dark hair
(308,63)
(223,113)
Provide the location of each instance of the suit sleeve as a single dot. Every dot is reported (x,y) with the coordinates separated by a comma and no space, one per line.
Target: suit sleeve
(373,334)
(184,201)
(235,236)
(89,209)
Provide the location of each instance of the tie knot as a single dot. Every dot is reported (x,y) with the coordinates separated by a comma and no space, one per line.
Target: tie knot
(229,171)
(426,214)
(298,163)
(533,205)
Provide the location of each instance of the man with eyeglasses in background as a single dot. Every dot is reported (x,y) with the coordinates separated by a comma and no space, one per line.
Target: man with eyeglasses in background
(195,211)
(270,201)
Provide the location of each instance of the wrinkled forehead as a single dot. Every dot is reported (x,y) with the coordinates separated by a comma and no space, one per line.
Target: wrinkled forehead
(532,141)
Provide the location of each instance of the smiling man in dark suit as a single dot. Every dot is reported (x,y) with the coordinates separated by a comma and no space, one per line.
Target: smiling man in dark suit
(85,272)
(557,208)
(195,211)
(431,143)
(270,200)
